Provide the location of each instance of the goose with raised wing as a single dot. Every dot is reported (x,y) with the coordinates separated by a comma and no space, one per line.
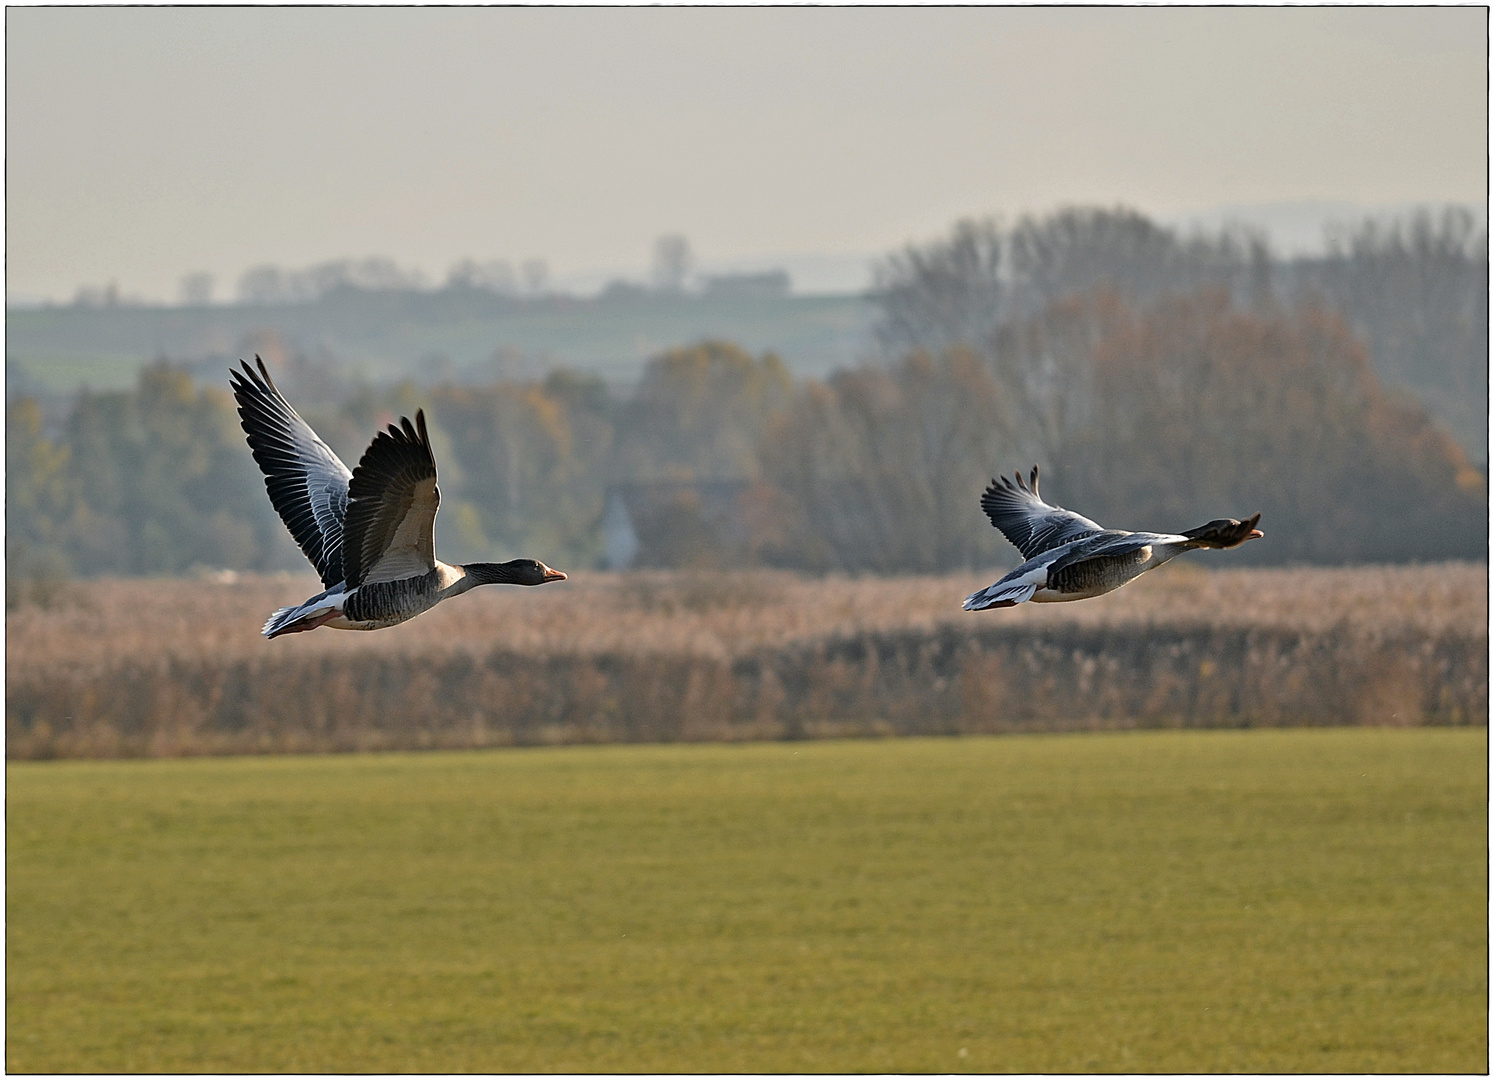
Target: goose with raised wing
(370,532)
(1070,557)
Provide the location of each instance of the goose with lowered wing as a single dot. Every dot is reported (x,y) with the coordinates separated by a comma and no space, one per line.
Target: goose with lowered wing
(1070,557)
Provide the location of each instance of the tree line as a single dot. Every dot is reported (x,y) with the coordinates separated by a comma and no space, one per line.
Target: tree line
(1415,290)
(1159,383)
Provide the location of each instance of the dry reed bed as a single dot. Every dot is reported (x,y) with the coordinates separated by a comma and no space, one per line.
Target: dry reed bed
(177,667)
(106,622)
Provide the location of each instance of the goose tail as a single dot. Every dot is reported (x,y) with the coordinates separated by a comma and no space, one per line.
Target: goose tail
(1001,594)
(317,611)
(276,623)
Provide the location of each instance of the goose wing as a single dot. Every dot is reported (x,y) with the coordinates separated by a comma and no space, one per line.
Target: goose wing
(1032,525)
(1109,544)
(307,482)
(392,500)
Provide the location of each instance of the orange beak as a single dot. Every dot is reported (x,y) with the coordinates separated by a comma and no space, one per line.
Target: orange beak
(553,575)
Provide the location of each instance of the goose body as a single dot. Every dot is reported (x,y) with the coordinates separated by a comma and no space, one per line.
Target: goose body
(1070,557)
(369,531)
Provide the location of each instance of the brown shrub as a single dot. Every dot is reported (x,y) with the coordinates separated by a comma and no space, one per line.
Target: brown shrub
(168,668)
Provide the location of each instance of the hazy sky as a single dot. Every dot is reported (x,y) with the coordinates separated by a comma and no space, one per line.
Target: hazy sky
(144,143)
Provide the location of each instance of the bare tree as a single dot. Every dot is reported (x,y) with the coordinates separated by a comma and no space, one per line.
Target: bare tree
(1417,289)
(536,276)
(949,292)
(263,285)
(960,289)
(196,289)
(495,275)
(672,263)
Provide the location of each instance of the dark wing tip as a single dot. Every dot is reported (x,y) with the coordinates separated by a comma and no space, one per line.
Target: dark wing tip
(997,485)
(246,376)
(1004,485)
(404,437)
(1014,486)
(409,434)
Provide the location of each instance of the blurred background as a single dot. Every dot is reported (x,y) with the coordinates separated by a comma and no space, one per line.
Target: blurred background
(783,288)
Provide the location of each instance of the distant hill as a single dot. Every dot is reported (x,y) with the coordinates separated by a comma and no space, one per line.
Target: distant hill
(454,332)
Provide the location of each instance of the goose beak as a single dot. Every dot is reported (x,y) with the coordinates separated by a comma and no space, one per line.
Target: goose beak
(552,575)
(1255,534)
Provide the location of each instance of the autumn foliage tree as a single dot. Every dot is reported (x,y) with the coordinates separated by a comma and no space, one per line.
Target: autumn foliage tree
(522,471)
(1209,411)
(880,470)
(700,412)
(1156,418)
(149,480)
(686,460)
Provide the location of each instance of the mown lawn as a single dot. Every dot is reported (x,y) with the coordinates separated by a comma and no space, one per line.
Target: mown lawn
(1266,901)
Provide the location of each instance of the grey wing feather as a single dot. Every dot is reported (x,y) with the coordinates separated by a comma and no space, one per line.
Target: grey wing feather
(389,532)
(306,481)
(1032,525)
(1105,545)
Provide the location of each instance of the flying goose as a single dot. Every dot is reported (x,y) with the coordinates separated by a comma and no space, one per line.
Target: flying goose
(1070,557)
(370,532)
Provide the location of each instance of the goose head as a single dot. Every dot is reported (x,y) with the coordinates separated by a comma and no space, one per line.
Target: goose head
(1224,533)
(517,572)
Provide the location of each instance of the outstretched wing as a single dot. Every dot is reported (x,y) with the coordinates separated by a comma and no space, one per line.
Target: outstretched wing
(307,482)
(1030,524)
(392,499)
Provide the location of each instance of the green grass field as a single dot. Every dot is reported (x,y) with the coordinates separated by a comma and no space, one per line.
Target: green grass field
(1272,901)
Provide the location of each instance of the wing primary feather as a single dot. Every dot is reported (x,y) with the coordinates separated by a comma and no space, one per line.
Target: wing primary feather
(392,503)
(1032,525)
(306,481)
